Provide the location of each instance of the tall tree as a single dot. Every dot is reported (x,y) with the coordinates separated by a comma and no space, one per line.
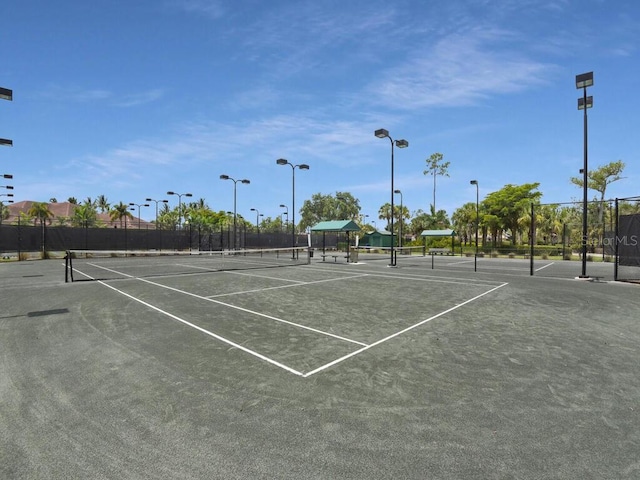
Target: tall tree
(464,221)
(508,204)
(435,167)
(599,179)
(342,206)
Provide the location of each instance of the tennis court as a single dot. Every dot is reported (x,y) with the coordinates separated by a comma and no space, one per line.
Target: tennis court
(173,368)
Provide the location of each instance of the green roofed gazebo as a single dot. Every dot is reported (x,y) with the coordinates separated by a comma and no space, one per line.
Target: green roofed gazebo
(336,226)
(446,232)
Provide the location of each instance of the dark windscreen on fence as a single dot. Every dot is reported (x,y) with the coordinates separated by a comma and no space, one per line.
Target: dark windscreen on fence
(628,244)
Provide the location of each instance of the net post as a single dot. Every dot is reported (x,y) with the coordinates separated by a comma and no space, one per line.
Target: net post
(68,267)
(615,245)
(532,235)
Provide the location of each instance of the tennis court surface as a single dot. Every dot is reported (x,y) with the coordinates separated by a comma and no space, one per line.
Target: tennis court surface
(174,367)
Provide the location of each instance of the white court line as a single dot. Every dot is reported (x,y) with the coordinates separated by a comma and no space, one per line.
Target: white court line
(240,273)
(352,354)
(420,277)
(299,284)
(459,263)
(246,310)
(200,329)
(544,266)
(273,362)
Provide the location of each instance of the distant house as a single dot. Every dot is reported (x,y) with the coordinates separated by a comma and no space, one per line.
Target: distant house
(64,211)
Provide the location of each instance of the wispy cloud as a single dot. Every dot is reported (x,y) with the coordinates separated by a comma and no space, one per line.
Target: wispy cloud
(459,70)
(210,8)
(141,98)
(82,95)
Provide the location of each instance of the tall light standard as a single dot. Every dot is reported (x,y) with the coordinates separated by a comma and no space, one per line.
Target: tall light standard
(6,94)
(302,166)
(475,259)
(138,205)
(157,202)
(180,195)
(401,215)
(235,184)
(258,215)
(583,81)
(282,205)
(382,133)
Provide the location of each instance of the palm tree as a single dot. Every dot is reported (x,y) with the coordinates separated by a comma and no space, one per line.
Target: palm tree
(385,213)
(119,212)
(103,204)
(84,215)
(39,211)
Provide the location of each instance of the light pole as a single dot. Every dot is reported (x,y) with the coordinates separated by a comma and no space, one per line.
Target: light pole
(180,195)
(258,215)
(284,227)
(301,166)
(6,94)
(475,259)
(401,215)
(138,205)
(583,81)
(157,201)
(235,183)
(382,133)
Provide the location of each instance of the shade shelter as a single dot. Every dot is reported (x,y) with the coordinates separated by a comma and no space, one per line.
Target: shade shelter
(336,226)
(447,232)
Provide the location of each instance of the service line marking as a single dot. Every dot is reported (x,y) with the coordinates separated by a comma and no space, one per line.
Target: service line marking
(242,309)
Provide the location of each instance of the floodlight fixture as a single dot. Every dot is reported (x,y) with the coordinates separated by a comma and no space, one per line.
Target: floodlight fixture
(581,103)
(6,94)
(584,80)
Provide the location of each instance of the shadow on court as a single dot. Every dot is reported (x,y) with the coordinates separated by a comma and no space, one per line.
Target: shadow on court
(330,370)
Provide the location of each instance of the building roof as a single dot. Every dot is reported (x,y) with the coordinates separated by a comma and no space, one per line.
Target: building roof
(447,232)
(63,211)
(336,226)
(383,233)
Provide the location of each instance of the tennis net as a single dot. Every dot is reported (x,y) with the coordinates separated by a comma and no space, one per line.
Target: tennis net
(121,264)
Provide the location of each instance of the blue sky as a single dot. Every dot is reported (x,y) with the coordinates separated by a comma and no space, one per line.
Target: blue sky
(132,99)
